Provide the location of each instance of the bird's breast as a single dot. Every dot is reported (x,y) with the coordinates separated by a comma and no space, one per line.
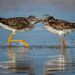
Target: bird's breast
(30,27)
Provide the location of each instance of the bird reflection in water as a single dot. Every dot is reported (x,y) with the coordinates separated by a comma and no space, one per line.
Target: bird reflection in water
(19,62)
(59,63)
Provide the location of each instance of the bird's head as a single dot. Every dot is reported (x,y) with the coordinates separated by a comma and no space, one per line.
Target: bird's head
(33,20)
(47,17)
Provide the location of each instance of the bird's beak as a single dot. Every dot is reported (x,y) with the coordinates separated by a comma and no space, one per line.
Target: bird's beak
(38,20)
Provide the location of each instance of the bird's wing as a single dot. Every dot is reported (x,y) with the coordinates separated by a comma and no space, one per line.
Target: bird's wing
(61,24)
(16,23)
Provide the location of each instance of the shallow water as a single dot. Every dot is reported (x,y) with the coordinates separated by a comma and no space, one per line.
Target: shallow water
(44,60)
(44,57)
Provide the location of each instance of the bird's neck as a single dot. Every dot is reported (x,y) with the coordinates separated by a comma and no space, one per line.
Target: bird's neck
(32,22)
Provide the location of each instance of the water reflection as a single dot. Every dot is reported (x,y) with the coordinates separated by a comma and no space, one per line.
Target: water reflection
(38,60)
(60,63)
(18,62)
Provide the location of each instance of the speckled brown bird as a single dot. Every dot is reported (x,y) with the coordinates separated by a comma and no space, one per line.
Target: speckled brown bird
(18,24)
(57,26)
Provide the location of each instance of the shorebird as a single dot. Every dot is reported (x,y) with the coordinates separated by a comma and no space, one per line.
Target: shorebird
(18,24)
(58,26)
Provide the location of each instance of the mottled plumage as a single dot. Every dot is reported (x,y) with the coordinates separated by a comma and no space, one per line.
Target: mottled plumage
(61,24)
(16,23)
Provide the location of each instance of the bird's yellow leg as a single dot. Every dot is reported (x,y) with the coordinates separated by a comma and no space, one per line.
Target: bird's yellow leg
(16,40)
(12,34)
(21,41)
(64,43)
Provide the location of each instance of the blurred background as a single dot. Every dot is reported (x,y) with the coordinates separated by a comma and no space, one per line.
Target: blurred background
(16,4)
